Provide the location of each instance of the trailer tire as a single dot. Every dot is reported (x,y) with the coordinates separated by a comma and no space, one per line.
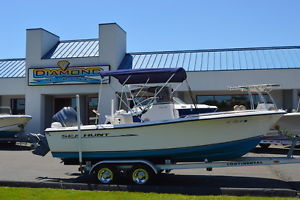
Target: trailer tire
(264,146)
(141,174)
(106,174)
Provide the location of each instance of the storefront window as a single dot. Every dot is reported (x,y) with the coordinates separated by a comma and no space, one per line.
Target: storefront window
(73,103)
(227,102)
(92,105)
(18,106)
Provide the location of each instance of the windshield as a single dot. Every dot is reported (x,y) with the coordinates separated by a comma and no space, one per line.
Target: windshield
(178,101)
(143,101)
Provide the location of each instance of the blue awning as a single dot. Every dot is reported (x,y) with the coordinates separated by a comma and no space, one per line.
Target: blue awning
(138,76)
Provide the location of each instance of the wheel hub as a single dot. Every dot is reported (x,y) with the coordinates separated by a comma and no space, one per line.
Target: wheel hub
(140,176)
(105,175)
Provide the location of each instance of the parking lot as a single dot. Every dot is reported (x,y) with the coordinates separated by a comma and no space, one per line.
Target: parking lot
(19,164)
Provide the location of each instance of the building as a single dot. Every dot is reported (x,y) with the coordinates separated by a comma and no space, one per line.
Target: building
(54,71)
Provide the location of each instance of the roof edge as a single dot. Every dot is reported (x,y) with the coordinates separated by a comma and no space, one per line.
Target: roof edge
(32,29)
(77,40)
(114,24)
(218,50)
(12,59)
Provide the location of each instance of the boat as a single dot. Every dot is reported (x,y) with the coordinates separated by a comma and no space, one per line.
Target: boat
(284,132)
(10,124)
(289,123)
(161,133)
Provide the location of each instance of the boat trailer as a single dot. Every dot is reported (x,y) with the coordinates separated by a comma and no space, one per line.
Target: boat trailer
(284,141)
(143,171)
(34,139)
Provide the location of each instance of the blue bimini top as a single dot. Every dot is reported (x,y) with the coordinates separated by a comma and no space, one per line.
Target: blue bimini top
(138,76)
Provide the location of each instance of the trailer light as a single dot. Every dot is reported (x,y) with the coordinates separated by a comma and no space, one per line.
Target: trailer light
(276,161)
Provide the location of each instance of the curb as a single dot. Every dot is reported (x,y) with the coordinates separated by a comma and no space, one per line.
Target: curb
(269,192)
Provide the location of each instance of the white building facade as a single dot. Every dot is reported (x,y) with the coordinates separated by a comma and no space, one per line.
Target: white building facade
(54,71)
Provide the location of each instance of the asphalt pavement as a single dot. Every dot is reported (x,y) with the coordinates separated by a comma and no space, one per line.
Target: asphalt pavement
(19,167)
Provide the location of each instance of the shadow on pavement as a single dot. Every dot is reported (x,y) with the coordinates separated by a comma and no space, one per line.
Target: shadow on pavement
(193,180)
(7,147)
(51,179)
(185,184)
(76,178)
(222,181)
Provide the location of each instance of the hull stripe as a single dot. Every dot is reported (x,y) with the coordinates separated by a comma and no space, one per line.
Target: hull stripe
(223,151)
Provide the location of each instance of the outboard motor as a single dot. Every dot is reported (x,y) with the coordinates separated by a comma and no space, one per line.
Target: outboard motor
(42,147)
(67,117)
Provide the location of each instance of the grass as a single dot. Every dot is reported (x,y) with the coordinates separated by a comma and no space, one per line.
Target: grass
(8,193)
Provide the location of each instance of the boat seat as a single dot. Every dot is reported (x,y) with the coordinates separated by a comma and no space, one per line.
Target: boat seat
(239,107)
(56,125)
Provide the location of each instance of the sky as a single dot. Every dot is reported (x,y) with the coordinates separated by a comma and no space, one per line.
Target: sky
(155,25)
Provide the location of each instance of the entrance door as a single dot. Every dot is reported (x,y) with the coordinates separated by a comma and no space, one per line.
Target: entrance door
(61,102)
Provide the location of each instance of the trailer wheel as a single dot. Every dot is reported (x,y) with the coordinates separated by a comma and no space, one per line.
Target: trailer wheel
(141,174)
(264,146)
(106,174)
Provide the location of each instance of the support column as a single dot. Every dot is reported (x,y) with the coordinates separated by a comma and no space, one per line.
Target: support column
(34,105)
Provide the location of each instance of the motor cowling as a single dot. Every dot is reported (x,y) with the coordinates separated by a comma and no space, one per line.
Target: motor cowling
(67,117)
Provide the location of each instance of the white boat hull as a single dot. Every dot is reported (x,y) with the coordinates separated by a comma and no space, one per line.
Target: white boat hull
(13,123)
(161,139)
(288,124)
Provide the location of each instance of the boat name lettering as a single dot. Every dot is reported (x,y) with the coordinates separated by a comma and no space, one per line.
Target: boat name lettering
(244,163)
(85,135)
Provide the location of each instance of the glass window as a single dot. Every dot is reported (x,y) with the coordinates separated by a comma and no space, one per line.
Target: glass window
(206,100)
(61,102)
(5,110)
(227,102)
(223,102)
(92,105)
(18,106)
(73,103)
